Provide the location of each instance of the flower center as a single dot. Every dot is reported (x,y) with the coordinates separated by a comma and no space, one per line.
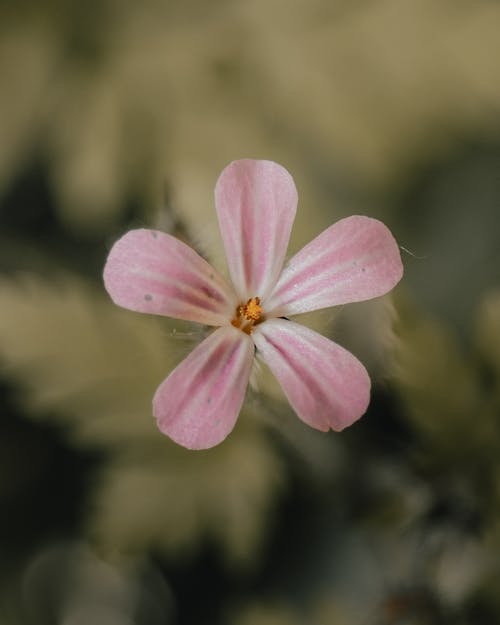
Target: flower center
(248,315)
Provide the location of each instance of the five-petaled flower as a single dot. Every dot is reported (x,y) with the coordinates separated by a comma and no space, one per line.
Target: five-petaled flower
(355,259)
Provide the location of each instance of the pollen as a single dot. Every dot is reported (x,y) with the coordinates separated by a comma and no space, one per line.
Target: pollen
(252,310)
(247,315)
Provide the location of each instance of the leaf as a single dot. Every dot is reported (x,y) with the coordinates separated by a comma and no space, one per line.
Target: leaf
(488,336)
(176,499)
(440,388)
(77,355)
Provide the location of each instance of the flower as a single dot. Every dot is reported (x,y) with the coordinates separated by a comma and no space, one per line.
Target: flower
(355,259)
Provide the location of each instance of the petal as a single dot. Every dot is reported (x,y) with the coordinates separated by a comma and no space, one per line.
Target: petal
(353,260)
(153,272)
(256,203)
(198,404)
(325,384)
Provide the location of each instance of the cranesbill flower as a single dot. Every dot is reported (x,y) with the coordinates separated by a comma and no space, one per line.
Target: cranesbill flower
(355,259)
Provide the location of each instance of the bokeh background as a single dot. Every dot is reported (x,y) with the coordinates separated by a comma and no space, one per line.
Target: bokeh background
(115,115)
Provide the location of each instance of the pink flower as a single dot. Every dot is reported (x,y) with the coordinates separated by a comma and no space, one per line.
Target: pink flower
(355,259)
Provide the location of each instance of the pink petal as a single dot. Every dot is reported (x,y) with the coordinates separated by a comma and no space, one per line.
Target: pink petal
(355,259)
(198,404)
(152,272)
(325,384)
(256,203)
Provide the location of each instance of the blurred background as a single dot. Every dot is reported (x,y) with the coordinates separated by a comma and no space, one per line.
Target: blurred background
(116,115)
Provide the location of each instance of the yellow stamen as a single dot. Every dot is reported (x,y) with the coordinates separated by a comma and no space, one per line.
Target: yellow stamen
(252,309)
(247,315)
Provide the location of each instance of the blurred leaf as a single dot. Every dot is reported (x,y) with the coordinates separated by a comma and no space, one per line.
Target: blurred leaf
(68,583)
(79,356)
(488,337)
(120,96)
(173,499)
(441,390)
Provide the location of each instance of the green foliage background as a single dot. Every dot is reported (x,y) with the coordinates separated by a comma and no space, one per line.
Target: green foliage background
(117,115)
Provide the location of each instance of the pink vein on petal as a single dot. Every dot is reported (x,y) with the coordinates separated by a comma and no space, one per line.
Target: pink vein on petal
(198,404)
(256,203)
(325,384)
(153,272)
(353,260)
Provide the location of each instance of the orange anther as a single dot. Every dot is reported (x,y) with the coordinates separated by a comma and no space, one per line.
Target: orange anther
(248,315)
(252,309)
